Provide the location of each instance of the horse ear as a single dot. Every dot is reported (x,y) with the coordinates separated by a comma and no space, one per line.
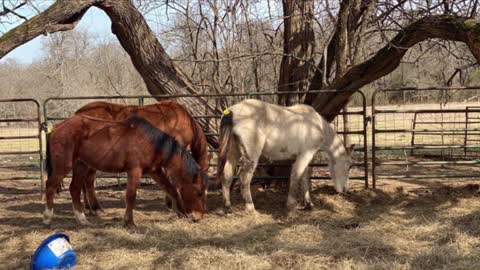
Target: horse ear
(350,149)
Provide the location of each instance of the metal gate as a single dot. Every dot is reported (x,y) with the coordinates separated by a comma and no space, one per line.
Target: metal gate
(350,123)
(429,133)
(21,139)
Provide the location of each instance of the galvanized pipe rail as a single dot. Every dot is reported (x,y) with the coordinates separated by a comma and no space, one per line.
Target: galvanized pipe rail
(38,137)
(415,130)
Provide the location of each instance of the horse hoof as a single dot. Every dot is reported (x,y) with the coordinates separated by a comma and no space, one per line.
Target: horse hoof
(307,207)
(85,224)
(227,210)
(252,212)
(47,216)
(98,213)
(292,207)
(129,225)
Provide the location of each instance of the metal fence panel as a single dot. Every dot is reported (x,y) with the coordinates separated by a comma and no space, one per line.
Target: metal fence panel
(425,133)
(21,139)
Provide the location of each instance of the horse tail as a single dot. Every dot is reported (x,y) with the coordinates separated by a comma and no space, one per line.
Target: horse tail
(199,147)
(48,162)
(48,158)
(225,140)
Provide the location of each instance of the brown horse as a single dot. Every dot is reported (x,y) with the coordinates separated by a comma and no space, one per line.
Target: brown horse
(134,146)
(168,116)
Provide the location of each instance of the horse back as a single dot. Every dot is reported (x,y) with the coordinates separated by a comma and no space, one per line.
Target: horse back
(166,115)
(283,131)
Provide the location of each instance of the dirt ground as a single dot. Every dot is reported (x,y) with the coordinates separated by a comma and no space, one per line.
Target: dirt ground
(414,225)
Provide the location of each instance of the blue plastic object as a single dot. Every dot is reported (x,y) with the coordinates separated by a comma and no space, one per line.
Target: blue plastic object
(55,252)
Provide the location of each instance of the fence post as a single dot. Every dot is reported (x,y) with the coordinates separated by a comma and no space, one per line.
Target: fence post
(374,158)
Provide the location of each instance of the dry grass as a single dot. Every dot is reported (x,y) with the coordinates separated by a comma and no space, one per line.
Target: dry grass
(420,225)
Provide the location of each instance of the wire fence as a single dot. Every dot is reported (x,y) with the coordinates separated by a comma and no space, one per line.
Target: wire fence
(21,154)
(438,138)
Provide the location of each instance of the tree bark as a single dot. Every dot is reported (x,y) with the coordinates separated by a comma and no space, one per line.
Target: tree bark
(298,48)
(446,27)
(341,55)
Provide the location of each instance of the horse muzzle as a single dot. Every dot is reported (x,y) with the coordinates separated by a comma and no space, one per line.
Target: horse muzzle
(195,216)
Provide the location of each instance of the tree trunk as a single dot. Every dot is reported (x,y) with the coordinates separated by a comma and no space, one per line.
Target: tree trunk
(298,49)
(298,63)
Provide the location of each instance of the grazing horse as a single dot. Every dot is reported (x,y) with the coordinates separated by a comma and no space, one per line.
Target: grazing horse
(254,128)
(134,146)
(167,115)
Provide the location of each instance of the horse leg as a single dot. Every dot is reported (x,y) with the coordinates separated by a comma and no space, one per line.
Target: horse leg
(168,201)
(228,174)
(246,174)
(89,186)
(163,181)
(86,176)
(75,191)
(53,183)
(306,187)
(79,174)
(131,194)
(249,154)
(299,168)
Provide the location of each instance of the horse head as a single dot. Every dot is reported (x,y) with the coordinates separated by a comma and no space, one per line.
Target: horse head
(340,167)
(193,194)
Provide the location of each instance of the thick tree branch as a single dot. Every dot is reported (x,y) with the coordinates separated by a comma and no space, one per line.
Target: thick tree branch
(62,15)
(387,59)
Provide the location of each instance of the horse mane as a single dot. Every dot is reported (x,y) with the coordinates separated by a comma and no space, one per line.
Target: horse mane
(165,144)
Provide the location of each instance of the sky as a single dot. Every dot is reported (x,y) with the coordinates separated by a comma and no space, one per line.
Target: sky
(95,21)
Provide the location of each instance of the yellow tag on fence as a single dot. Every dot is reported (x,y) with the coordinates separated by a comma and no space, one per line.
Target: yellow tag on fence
(50,130)
(227,111)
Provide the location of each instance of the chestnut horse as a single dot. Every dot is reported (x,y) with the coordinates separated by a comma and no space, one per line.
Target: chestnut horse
(168,116)
(134,146)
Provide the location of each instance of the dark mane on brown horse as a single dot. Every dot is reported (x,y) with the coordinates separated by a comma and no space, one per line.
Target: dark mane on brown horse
(165,144)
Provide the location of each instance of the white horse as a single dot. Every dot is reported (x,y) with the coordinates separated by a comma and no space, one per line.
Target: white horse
(253,128)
